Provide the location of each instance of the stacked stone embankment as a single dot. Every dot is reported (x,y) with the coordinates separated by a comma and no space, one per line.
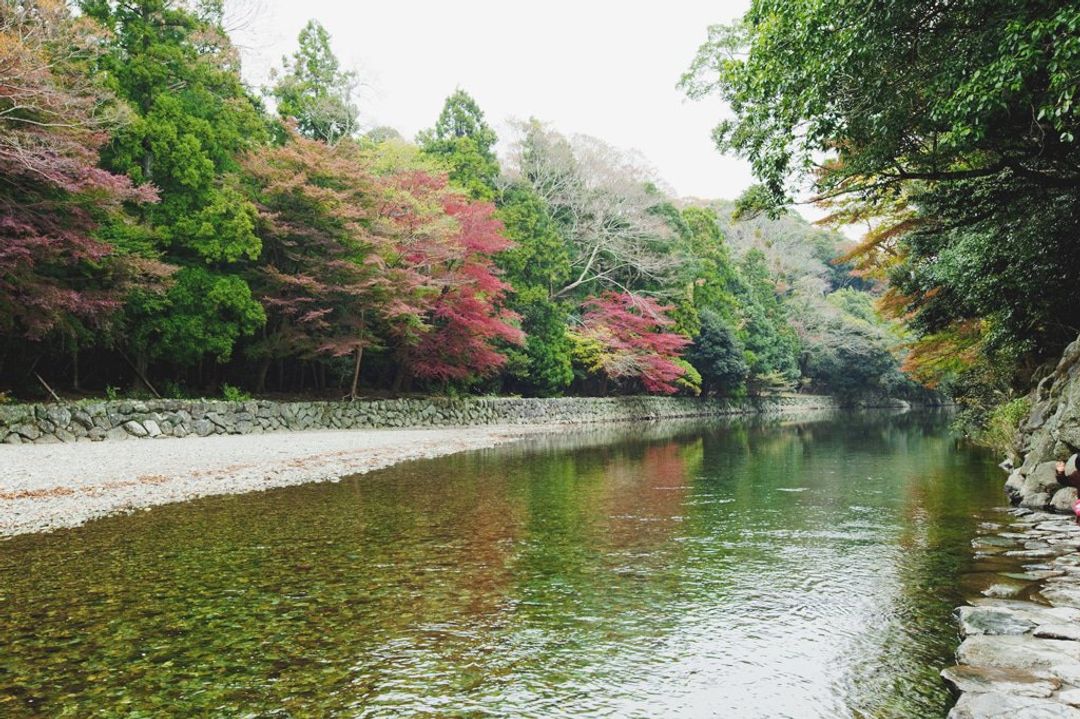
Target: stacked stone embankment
(128,419)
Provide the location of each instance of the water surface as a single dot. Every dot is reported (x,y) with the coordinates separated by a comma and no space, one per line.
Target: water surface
(806,570)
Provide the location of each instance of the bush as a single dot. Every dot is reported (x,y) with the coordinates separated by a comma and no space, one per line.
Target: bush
(1002,429)
(234,394)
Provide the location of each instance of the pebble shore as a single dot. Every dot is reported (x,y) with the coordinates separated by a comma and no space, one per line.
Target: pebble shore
(52,486)
(1020,656)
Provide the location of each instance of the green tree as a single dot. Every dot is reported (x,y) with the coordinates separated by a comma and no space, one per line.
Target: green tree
(708,273)
(535,267)
(314,91)
(463,140)
(772,347)
(718,356)
(192,117)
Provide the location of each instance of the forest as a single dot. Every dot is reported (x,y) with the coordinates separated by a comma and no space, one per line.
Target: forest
(947,130)
(168,230)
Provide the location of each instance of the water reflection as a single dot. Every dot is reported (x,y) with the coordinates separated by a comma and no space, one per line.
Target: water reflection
(779,570)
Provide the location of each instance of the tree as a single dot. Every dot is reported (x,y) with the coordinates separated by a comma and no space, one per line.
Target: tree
(535,267)
(846,346)
(192,118)
(448,320)
(771,344)
(55,272)
(626,339)
(466,143)
(718,356)
(314,91)
(323,278)
(465,318)
(602,200)
(916,91)
(707,277)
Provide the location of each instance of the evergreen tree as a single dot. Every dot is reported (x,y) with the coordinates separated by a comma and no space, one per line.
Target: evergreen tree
(771,344)
(535,267)
(718,356)
(466,143)
(314,91)
(192,118)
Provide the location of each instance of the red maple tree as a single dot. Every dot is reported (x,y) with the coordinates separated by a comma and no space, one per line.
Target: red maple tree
(450,318)
(629,331)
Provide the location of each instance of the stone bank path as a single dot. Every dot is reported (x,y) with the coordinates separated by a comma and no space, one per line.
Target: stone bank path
(51,486)
(1020,657)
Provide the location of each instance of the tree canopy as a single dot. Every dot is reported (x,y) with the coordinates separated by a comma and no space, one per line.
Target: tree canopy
(174,232)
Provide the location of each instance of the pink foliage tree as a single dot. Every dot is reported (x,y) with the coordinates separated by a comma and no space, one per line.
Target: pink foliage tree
(53,121)
(450,319)
(629,332)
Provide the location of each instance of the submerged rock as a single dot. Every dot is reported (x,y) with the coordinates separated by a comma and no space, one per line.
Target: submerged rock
(993,620)
(995,705)
(963,678)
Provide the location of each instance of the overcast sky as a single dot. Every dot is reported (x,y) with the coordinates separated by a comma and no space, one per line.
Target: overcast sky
(597,67)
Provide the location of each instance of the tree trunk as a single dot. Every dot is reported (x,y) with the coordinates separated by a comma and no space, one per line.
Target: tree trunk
(75,368)
(401,378)
(359,358)
(356,373)
(260,381)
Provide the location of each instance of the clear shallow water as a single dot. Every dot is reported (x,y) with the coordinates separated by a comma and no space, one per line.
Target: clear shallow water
(805,570)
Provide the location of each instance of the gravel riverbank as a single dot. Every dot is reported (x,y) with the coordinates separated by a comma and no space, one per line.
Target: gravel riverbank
(51,486)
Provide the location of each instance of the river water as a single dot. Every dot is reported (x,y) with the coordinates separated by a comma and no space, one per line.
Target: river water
(803,570)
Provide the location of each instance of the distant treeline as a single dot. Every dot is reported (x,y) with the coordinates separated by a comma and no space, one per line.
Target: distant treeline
(167,229)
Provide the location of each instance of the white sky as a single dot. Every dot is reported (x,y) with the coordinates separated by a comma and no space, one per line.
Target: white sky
(597,67)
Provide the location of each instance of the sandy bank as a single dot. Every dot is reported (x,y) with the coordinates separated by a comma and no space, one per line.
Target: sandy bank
(50,486)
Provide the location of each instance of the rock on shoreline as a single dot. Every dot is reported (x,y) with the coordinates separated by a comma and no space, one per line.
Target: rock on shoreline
(1020,658)
(1049,434)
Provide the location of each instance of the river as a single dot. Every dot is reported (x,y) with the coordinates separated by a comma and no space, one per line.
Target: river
(798,569)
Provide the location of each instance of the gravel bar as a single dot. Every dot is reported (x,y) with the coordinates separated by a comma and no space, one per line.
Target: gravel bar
(52,486)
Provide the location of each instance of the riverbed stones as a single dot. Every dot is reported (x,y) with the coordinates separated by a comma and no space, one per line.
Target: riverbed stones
(1058,631)
(1062,594)
(993,620)
(1021,658)
(1019,653)
(135,429)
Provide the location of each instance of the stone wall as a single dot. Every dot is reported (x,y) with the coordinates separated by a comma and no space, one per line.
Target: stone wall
(1049,434)
(125,419)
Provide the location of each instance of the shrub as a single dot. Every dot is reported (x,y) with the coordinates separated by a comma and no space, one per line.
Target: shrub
(234,394)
